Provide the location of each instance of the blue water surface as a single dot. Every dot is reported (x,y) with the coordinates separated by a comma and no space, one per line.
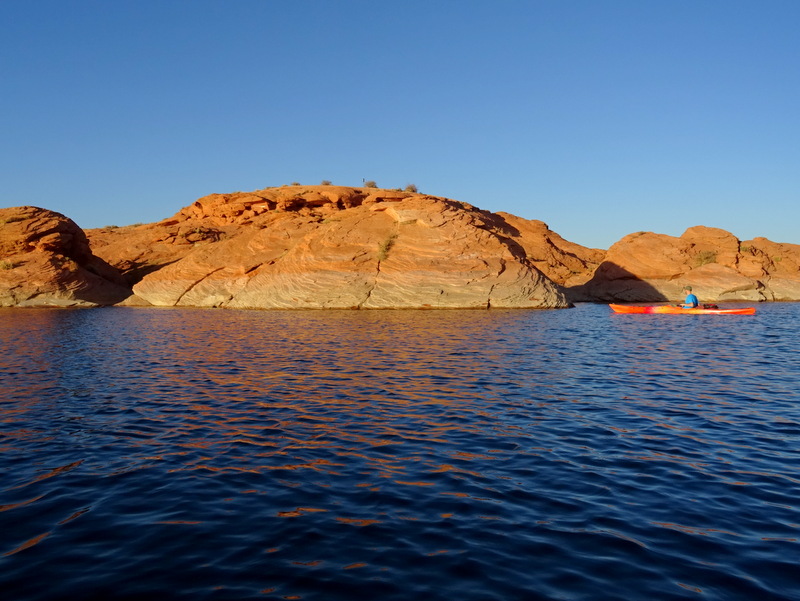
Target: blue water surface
(439,455)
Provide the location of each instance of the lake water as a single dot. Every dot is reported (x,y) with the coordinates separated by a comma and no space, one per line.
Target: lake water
(396,455)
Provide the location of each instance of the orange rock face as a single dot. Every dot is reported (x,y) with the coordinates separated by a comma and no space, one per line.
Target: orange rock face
(566,263)
(45,260)
(341,247)
(655,267)
(328,247)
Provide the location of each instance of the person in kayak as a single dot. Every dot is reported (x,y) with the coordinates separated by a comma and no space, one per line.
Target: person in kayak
(691,301)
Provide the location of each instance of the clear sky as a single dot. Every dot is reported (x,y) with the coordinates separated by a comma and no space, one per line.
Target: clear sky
(601,118)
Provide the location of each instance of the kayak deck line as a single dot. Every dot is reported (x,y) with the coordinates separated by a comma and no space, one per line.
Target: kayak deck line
(673,310)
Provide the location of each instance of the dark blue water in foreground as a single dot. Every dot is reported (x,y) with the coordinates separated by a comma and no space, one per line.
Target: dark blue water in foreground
(395,455)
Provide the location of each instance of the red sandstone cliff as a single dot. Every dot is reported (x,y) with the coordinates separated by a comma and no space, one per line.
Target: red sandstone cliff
(336,246)
(45,260)
(652,267)
(566,263)
(328,247)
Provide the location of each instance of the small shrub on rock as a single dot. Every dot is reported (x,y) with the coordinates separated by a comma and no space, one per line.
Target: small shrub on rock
(385,247)
(705,257)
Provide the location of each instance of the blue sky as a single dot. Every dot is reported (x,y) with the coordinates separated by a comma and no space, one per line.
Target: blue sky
(601,118)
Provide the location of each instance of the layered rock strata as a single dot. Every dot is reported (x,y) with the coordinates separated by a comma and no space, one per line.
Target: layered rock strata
(342,247)
(329,247)
(654,267)
(45,260)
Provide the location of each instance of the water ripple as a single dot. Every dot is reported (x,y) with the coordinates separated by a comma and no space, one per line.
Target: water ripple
(188,454)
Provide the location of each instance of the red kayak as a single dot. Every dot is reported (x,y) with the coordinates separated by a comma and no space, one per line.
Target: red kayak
(672,309)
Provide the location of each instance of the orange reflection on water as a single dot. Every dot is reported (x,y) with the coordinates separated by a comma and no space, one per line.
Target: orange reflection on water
(694,530)
(358,522)
(415,483)
(50,474)
(299,511)
(20,504)
(28,544)
(690,587)
(311,564)
(445,467)
(74,516)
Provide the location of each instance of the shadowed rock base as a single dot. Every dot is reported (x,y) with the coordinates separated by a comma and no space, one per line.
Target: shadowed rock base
(45,261)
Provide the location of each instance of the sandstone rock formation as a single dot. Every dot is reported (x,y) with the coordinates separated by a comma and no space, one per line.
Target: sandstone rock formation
(341,247)
(655,267)
(566,263)
(45,260)
(328,247)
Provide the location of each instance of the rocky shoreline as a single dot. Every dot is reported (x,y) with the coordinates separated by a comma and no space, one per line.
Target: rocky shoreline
(312,247)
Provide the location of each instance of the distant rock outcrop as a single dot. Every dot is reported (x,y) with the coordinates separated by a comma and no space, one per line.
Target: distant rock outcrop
(45,260)
(328,247)
(655,267)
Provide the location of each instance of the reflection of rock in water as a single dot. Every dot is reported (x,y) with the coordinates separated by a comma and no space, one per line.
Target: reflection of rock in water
(206,455)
